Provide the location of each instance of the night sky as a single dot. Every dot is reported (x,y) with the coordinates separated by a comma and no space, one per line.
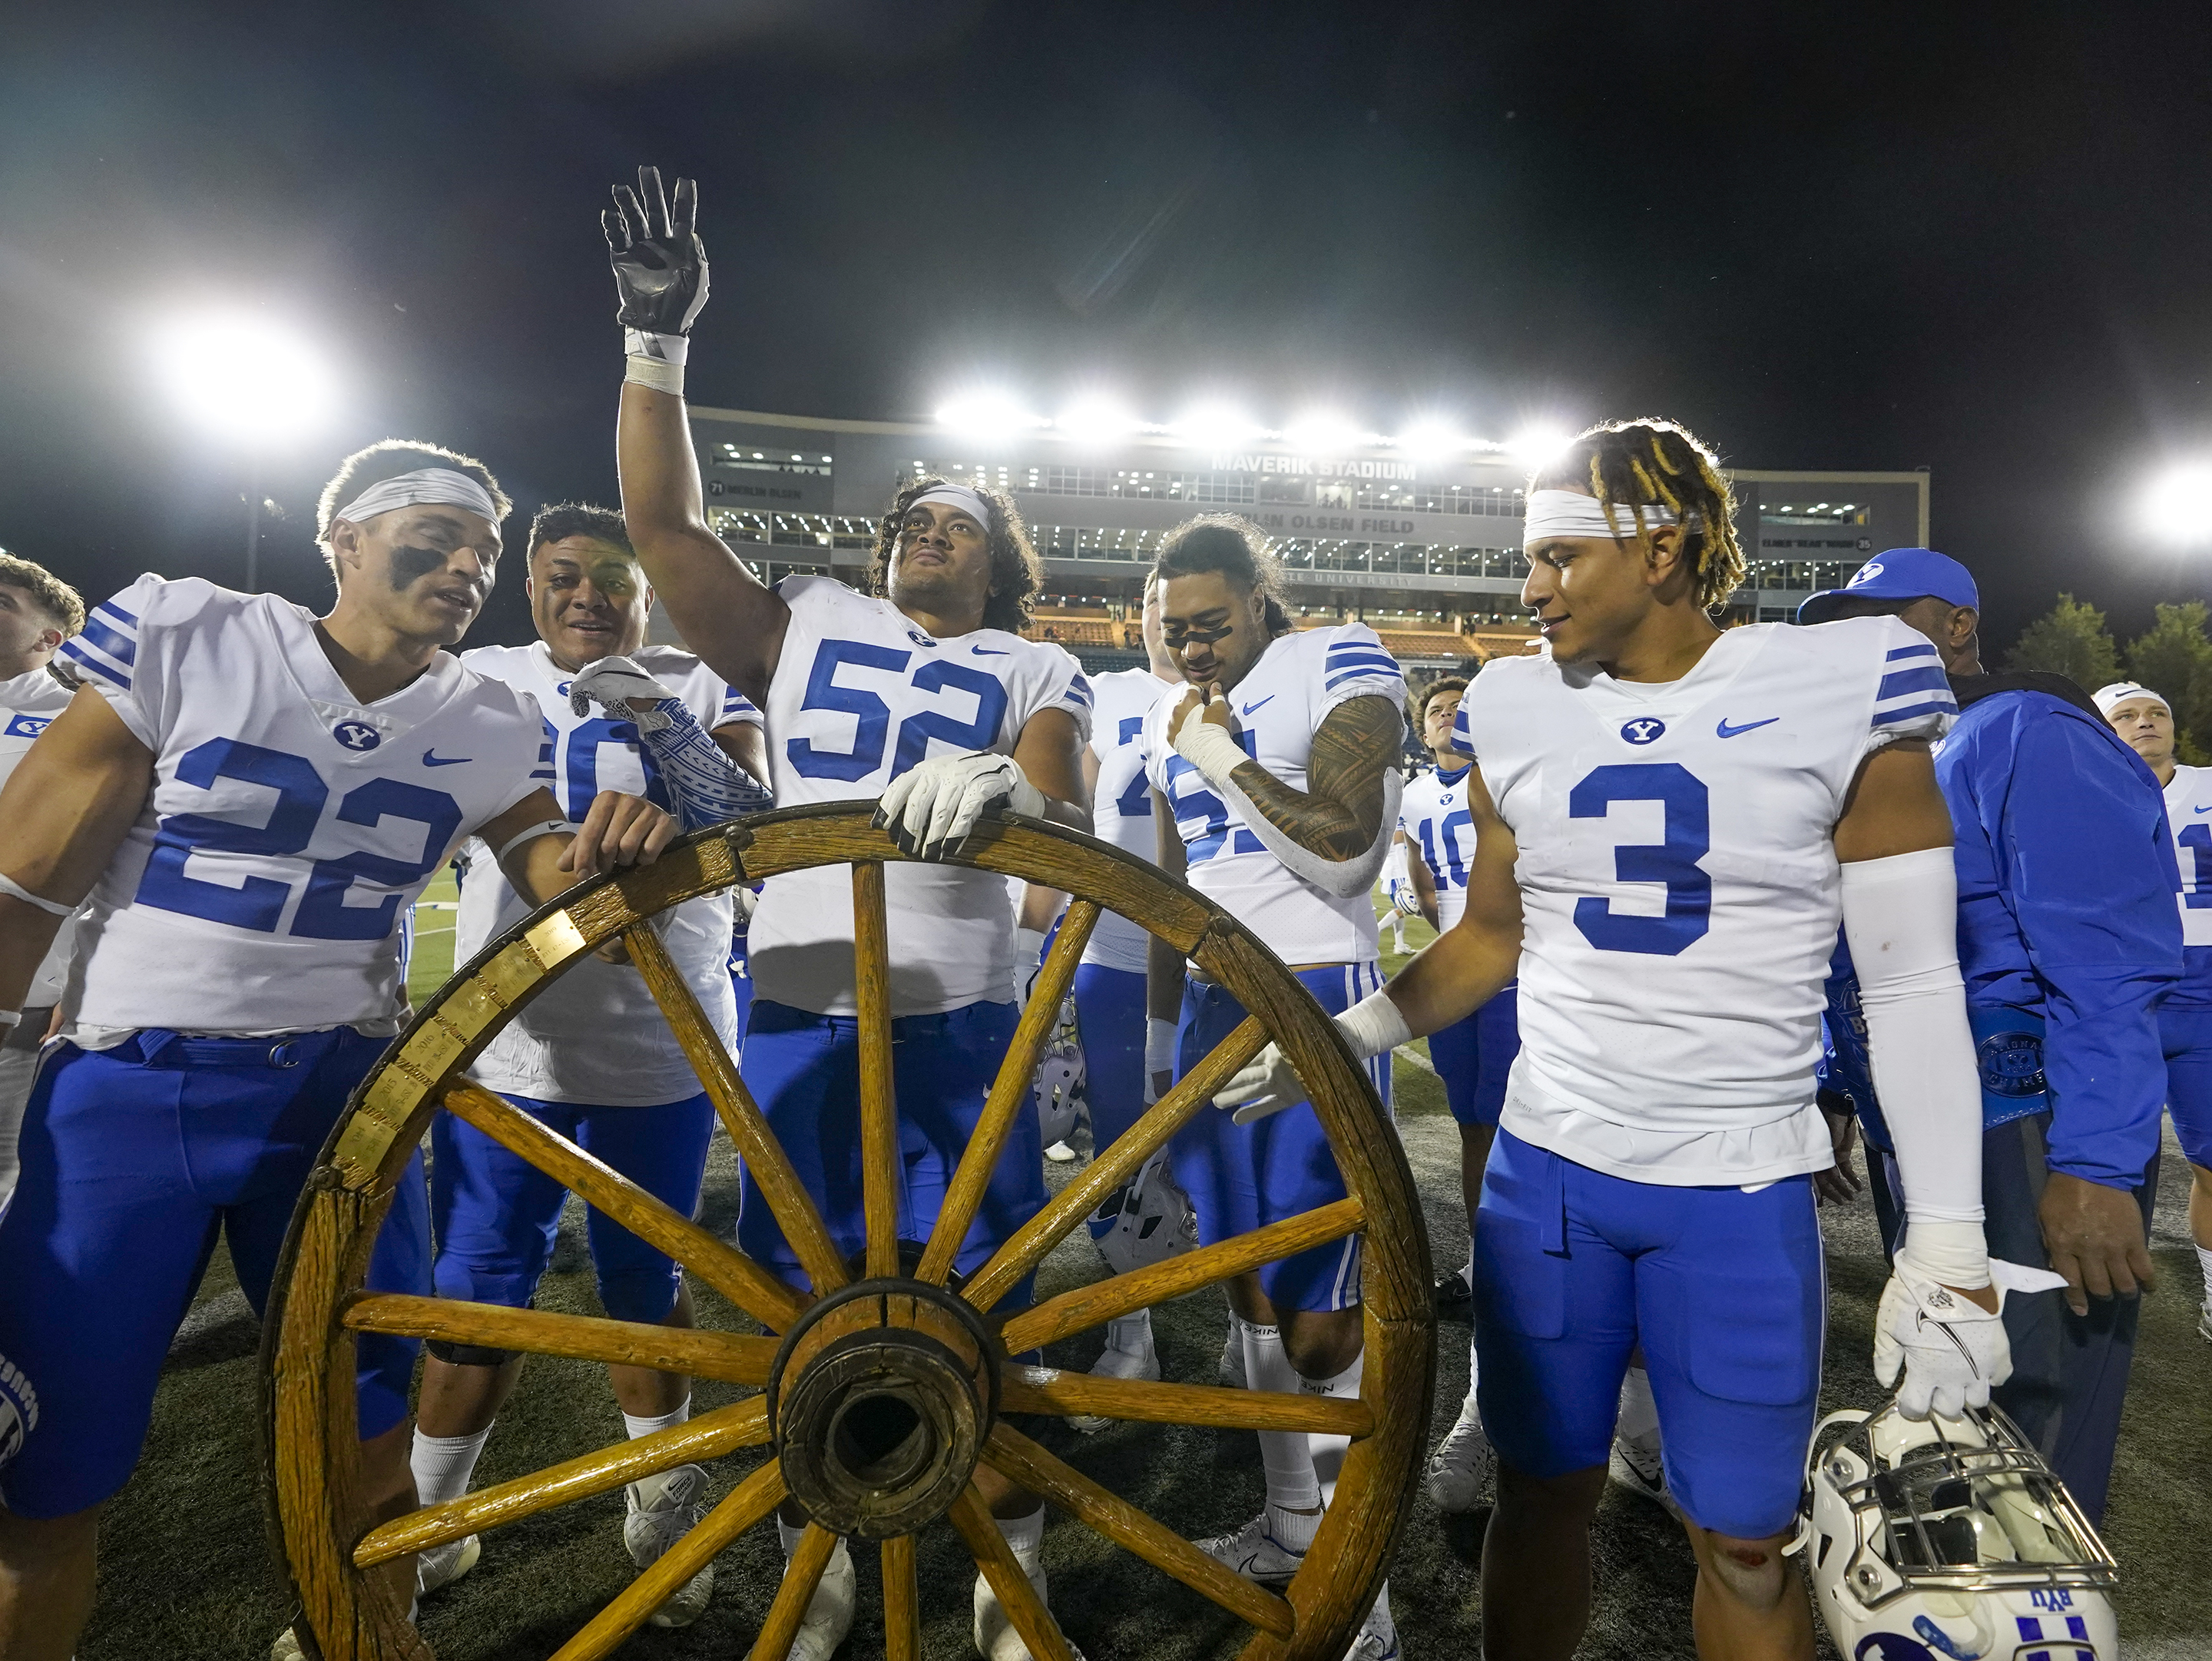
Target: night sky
(1969,238)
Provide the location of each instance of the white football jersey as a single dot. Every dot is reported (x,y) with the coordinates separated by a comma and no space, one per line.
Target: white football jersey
(1281,704)
(289,827)
(28,702)
(2188,815)
(596,1035)
(1122,801)
(1678,880)
(860,695)
(1433,815)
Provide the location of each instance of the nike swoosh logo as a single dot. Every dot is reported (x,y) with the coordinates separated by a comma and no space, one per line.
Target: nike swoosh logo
(2201,810)
(1728,732)
(1249,707)
(431,758)
(989,652)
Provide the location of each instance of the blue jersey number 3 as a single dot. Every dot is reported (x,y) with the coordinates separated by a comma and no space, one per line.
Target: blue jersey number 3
(1674,862)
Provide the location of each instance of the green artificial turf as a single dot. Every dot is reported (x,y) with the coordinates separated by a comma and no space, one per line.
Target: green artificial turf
(185,1573)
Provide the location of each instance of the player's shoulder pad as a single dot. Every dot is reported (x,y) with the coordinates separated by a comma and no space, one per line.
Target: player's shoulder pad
(1353,658)
(116,629)
(666,660)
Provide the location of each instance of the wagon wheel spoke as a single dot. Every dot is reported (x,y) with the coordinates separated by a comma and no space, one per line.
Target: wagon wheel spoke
(1061,1394)
(742,1507)
(1115,1166)
(902,1602)
(1013,1454)
(770,1167)
(1117,1295)
(972,1518)
(1010,1094)
(711,1435)
(722,1266)
(879,1160)
(733,1358)
(811,1557)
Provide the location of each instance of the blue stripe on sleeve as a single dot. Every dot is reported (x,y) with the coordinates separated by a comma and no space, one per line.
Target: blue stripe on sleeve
(116,611)
(1921,651)
(77,655)
(1336,681)
(116,644)
(1896,684)
(1912,711)
(1356,660)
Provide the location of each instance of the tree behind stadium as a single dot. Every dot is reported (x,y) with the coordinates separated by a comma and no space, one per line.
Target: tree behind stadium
(2175,661)
(2070,641)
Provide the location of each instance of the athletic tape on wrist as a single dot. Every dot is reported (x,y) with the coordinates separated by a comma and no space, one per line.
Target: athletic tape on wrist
(1159,1045)
(656,373)
(1374,1025)
(549,827)
(52,908)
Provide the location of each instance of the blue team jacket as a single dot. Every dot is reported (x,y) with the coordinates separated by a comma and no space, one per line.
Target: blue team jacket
(2067,922)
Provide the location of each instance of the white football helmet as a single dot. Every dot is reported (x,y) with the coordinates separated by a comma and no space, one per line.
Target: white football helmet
(1060,1076)
(1156,1220)
(1950,1540)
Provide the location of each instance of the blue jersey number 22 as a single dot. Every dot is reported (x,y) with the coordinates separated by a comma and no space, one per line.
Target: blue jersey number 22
(1688,834)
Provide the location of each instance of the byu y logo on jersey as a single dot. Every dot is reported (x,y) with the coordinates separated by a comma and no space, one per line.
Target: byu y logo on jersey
(1645,729)
(356,736)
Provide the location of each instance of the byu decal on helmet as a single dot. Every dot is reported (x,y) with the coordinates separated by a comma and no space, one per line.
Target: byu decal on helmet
(1949,1539)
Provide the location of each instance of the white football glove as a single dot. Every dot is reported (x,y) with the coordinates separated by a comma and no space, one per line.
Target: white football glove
(1268,1083)
(620,688)
(933,808)
(1951,1351)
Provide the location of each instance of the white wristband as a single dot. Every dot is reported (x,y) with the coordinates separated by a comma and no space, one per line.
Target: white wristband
(1159,1045)
(1949,1254)
(1210,750)
(9,887)
(662,377)
(1373,1025)
(548,828)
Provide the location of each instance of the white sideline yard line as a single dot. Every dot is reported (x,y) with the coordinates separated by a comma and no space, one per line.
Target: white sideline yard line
(1415,1056)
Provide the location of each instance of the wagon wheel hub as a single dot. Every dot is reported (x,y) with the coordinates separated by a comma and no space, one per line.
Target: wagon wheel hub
(878,1405)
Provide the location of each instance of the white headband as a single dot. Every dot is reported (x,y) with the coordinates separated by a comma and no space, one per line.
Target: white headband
(1550,514)
(424,485)
(970,502)
(2109,698)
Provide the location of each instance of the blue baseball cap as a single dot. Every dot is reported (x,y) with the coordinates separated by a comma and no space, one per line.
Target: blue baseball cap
(1899,574)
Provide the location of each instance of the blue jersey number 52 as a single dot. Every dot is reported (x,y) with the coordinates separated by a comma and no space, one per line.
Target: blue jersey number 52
(1674,862)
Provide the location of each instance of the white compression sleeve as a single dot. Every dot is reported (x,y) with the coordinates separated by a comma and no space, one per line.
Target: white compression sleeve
(1217,755)
(1901,919)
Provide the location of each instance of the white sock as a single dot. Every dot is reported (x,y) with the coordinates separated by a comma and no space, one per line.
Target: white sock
(1638,1424)
(2204,1262)
(1131,1334)
(788,1537)
(1328,1451)
(647,1488)
(1290,1483)
(1234,1344)
(1467,1409)
(443,1465)
(1025,1535)
(1382,1606)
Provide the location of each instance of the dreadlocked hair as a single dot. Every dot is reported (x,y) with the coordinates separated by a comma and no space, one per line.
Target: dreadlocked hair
(1017,573)
(1237,549)
(1635,463)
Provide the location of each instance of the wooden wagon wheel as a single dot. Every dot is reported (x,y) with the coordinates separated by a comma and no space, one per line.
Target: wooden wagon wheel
(939,1357)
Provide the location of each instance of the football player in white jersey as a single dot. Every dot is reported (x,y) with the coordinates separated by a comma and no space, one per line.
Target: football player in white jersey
(922,693)
(2145,719)
(1109,986)
(1275,784)
(38,612)
(1670,821)
(593,1057)
(1472,1055)
(251,796)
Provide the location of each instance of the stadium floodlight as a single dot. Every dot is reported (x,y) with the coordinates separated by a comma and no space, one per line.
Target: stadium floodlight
(1536,445)
(1216,425)
(1322,432)
(250,381)
(2170,508)
(986,415)
(1095,420)
(1433,438)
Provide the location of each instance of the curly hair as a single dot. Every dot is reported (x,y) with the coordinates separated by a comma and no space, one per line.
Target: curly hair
(1634,464)
(1420,702)
(1237,549)
(63,605)
(1017,573)
(556,521)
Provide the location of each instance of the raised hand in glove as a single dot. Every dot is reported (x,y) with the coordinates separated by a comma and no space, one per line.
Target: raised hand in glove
(660,264)
(933,808)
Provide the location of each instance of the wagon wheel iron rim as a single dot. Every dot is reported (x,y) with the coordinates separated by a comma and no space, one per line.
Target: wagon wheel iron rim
(937,1356)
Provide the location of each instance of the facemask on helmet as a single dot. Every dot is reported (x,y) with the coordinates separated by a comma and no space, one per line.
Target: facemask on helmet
(1060,1078)
(1950,1540)
(1151,1222)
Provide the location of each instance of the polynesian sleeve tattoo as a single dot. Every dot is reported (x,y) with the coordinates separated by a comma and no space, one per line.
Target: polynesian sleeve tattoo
(1338,817)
